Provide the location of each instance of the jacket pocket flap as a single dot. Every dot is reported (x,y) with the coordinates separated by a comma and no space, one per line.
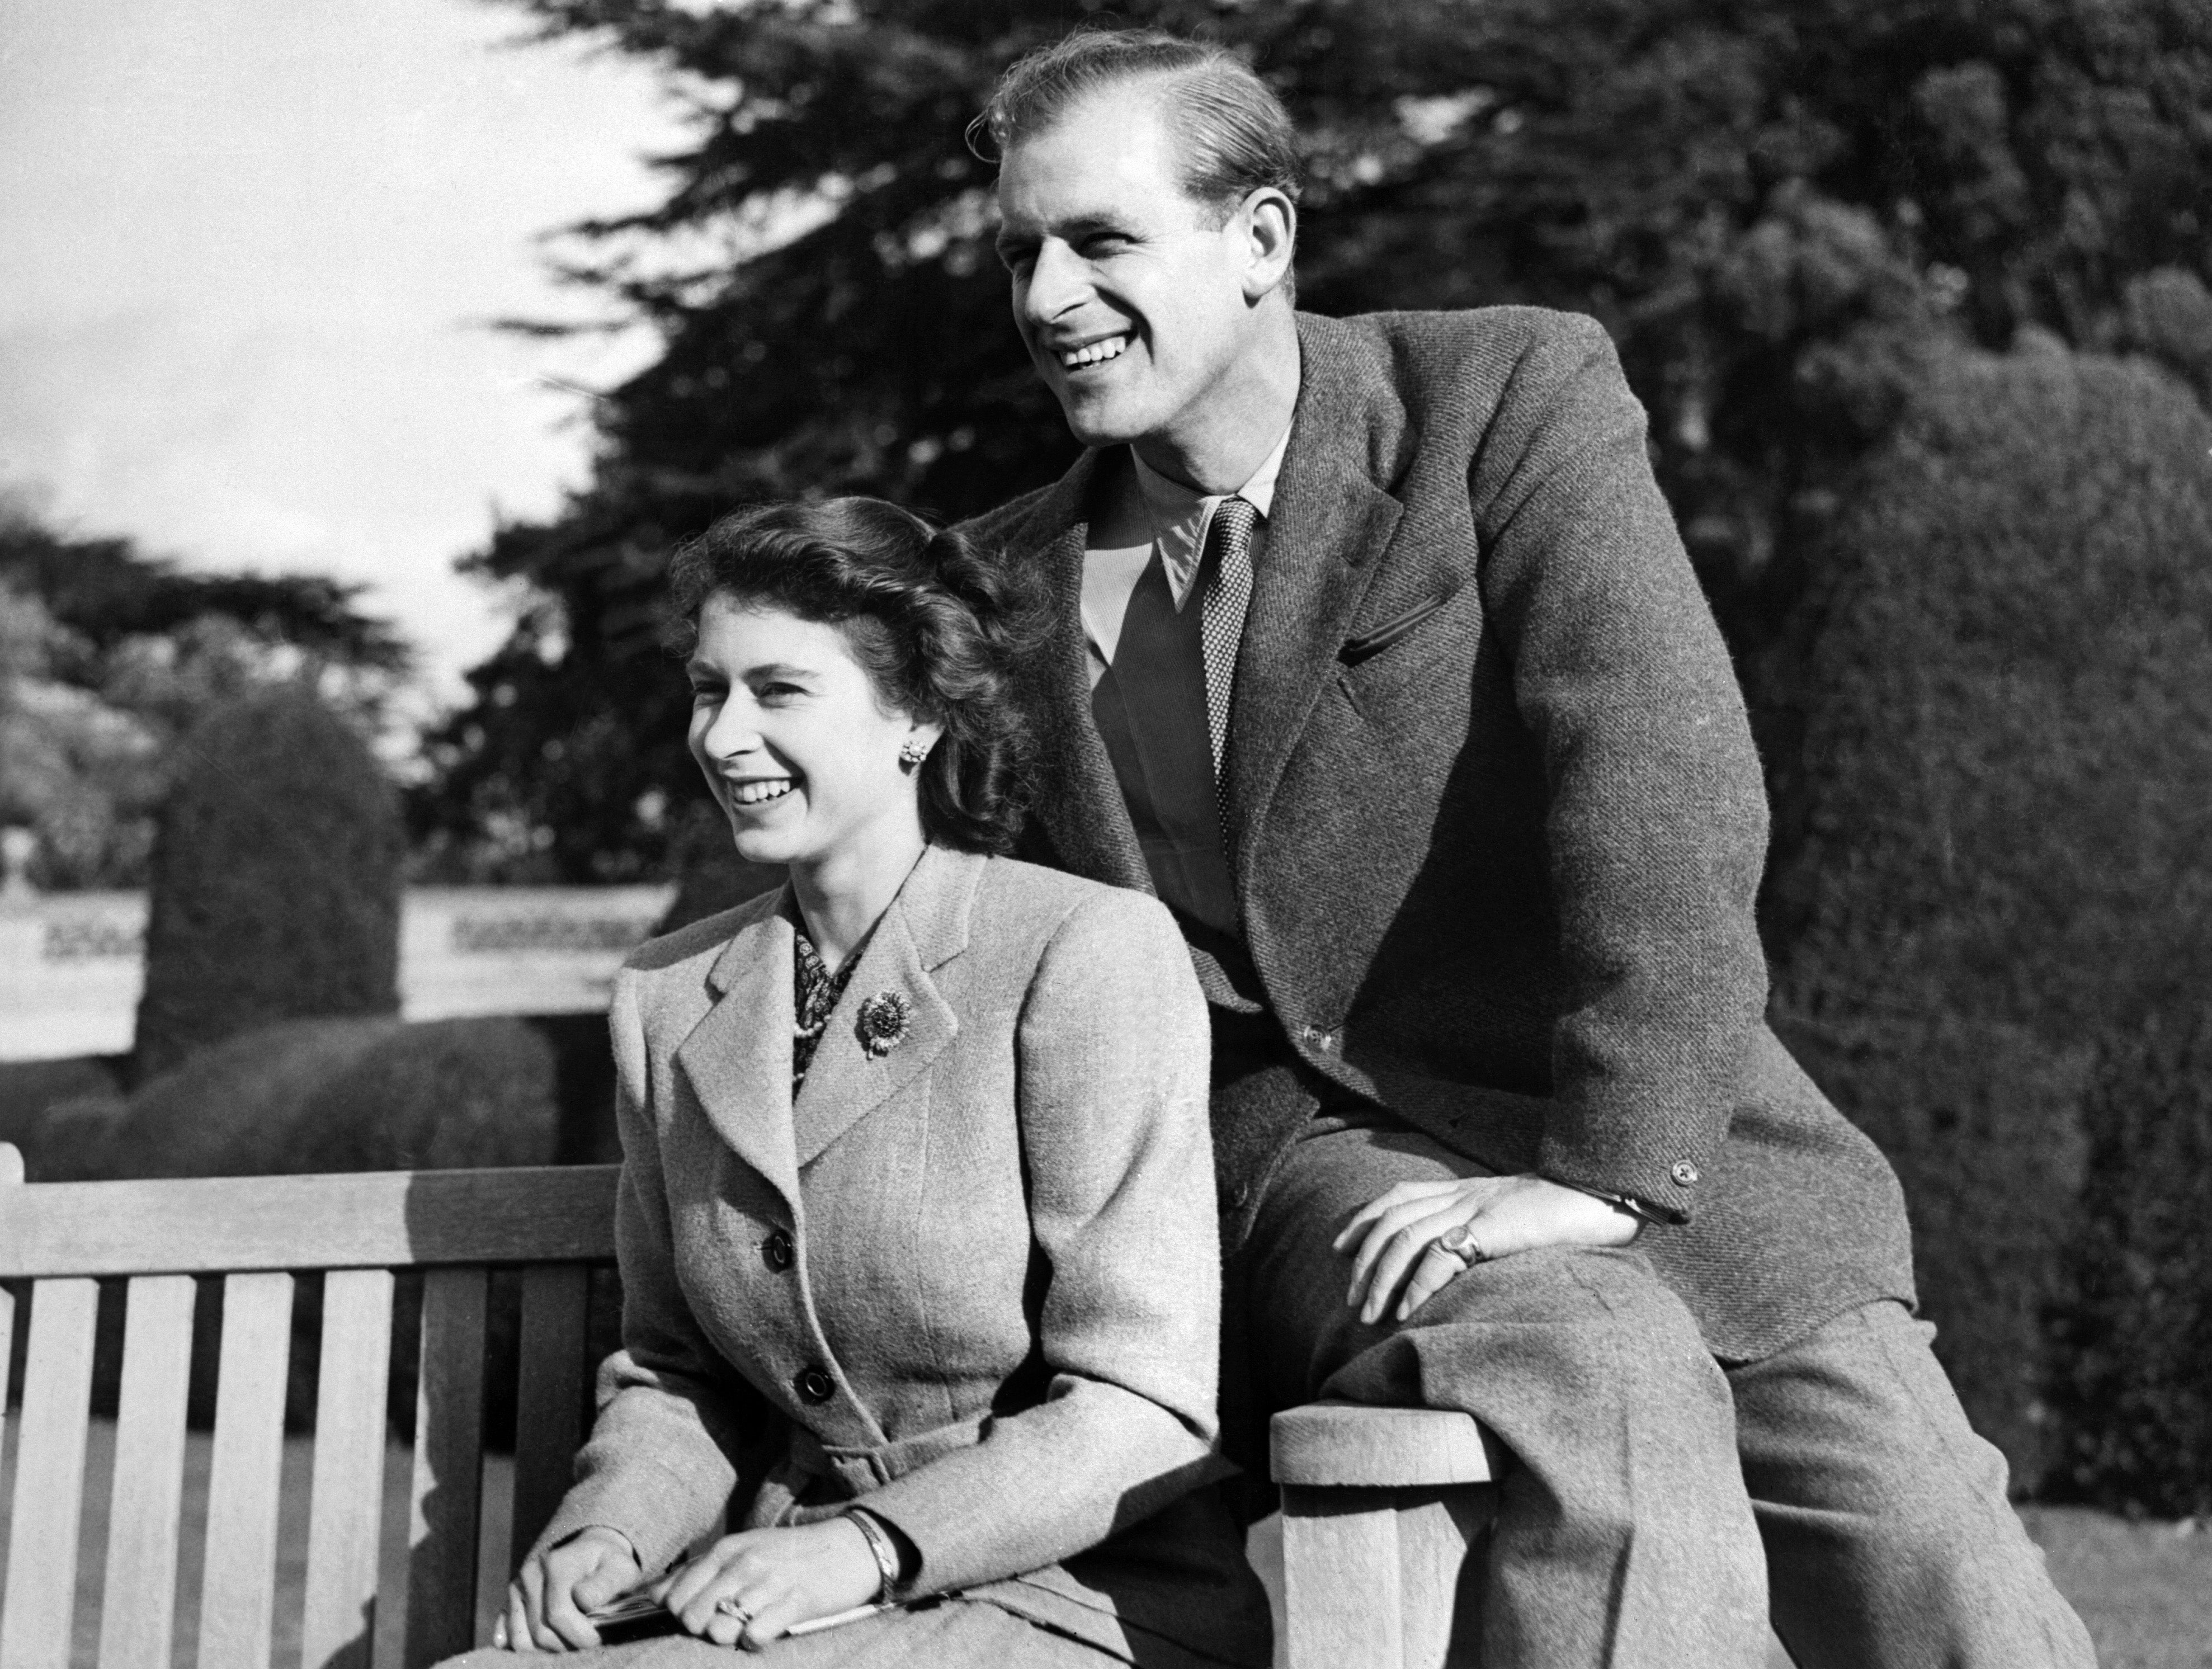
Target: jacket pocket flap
(1364,645)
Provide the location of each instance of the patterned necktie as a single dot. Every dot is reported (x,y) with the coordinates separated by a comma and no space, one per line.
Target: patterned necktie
(1227,563)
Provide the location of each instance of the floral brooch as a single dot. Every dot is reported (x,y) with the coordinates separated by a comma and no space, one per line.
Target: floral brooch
(883,1022)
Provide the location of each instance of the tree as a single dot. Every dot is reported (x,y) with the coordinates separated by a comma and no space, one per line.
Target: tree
(107,657)
(1773,207)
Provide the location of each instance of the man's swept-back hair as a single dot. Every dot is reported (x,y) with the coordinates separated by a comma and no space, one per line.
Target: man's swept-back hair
(1235,135)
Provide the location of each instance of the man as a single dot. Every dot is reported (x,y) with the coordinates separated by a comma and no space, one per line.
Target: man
(1381,663)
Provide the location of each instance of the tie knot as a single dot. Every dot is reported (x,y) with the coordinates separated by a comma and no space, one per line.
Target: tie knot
(1232,524)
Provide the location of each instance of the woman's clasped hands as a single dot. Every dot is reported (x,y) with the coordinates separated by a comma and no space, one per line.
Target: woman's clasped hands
(745,1590)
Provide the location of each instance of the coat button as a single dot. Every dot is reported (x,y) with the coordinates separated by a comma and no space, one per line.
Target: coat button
(776,1253)
(814,1385)
(1683,1172)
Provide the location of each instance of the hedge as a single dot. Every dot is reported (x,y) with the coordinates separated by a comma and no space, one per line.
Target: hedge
(1990,845)
(2137,1328)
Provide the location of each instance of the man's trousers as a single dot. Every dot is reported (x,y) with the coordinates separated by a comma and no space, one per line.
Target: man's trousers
(1662,1506)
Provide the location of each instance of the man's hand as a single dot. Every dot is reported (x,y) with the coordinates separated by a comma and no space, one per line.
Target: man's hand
(1397,1267)
(547,1600)
(747,1589)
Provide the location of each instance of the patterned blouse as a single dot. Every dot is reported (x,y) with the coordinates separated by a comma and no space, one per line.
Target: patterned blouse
(815,991)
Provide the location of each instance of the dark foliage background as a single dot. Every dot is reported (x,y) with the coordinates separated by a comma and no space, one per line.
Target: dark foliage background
(1774,207)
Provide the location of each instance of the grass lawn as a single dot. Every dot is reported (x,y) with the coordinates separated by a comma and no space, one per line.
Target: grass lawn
(2145,1589)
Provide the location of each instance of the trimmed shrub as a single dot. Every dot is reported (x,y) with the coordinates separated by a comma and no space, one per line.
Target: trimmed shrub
(276,879)
(1990,846)
(30,1088)
(346,1095)
(2137,1394)
(1983,1122)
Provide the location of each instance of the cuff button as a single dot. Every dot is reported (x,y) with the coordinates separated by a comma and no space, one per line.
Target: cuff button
(1683,1172)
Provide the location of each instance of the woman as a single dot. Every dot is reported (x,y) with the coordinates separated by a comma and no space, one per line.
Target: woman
(917,1193)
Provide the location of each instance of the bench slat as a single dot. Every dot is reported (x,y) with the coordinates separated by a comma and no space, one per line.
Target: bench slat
(7,1347)
(41,1591)
(348,1489)
(447,1488)
(549,1403)
(138,1605)
(238,1585)
(11,1171)
(377,1219)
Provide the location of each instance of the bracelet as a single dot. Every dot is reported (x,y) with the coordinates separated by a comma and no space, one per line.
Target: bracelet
(879,1543)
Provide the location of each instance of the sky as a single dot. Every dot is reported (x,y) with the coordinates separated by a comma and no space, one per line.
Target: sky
(248,253)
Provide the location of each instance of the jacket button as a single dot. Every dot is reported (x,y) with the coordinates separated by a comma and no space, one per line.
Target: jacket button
(814,1385)
(1683,1172)
(776,1253)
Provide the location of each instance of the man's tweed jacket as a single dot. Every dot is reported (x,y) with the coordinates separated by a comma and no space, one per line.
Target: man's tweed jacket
(971,1278)
(1495,818)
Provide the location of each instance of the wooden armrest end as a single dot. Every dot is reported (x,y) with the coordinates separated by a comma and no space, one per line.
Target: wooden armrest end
(1348,1445)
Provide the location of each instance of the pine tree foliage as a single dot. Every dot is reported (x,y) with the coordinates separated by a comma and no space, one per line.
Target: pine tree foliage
(1773,206)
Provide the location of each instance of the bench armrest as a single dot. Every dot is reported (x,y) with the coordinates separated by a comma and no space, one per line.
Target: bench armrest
(1337,1445)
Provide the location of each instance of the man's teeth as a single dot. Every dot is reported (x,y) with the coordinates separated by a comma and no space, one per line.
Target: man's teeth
(762,788)
(1096,353)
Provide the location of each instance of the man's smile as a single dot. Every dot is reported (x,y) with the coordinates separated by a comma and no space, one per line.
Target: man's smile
(1094,353)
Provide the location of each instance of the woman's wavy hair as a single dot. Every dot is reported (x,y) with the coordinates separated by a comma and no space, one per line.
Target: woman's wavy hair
(939,625)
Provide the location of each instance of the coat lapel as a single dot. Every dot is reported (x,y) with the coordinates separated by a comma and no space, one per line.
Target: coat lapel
(925,926)
(738,1058)
(1080,804)
(1329,521)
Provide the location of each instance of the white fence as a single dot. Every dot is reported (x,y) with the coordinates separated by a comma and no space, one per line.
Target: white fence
(71,964)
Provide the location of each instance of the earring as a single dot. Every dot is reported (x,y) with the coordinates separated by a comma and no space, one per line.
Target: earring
(912,752)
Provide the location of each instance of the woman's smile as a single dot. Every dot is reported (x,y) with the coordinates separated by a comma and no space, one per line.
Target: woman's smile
(758,791)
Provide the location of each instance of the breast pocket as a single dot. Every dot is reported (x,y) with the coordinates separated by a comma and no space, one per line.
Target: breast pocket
(1408,648)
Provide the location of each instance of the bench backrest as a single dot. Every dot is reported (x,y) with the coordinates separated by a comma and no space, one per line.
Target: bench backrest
(256,1233)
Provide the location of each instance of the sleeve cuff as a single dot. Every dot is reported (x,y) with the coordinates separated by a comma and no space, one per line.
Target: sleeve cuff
(1642,1210)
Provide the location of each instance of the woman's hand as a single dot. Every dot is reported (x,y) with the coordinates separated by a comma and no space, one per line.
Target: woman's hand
(748,1588)
(1397,1265)
(547,1600)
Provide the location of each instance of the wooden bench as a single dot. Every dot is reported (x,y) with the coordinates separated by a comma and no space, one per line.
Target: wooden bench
(1381,1508)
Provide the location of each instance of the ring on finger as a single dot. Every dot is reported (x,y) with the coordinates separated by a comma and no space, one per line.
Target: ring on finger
(730,1607)
(1459,1241)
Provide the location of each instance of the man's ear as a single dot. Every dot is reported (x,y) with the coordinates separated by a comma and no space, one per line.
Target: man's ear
(1269,222)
